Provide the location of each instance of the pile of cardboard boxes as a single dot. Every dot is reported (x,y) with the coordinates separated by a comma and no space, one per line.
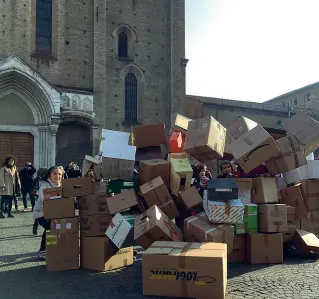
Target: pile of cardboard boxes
(239,219)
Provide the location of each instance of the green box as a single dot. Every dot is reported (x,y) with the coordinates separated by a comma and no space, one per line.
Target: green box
(250,222)
(116,186)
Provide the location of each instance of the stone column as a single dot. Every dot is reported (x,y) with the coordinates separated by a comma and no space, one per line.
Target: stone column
(95,139)
(52,142)
(43,145)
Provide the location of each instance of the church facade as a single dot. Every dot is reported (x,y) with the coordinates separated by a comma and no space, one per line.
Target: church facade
(69,68)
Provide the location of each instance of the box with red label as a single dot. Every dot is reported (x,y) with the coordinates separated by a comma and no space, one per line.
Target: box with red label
(77,187)
(153,225)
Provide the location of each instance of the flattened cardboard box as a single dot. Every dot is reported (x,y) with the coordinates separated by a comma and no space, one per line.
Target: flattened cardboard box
(254,148)
(295,196)
(93,205)
(65,226)
(272,218)
(94,225)
(122,201)
(59,208)
(205,139)
(151,169)
(264,191)
(155,193)
(238,254)
(197,229)
(190,198)
(186,270)
(99,253)
(77,187)
(153,225)
(264,248)
(291,156)
(62,252)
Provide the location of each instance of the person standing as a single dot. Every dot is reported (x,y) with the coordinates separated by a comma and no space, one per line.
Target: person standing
(52,179)
(26,178)
(73,171)
(9,185)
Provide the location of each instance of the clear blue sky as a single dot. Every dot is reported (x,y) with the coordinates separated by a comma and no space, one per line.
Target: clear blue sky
(251,50)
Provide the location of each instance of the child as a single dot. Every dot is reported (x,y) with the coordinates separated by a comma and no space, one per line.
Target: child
(227,170)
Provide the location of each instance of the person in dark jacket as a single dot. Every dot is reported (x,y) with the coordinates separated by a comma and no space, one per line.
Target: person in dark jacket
(73,171)
(227,170)
(26,178)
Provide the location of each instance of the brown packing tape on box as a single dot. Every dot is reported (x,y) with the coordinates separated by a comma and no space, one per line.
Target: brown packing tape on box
(227,208)
(182,266)
(266,243)
(277,224)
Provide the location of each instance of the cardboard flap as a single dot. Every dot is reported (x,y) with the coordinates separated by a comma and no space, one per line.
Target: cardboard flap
(151,185)
(91,159)
(308,239)
(158,251)
(182,121)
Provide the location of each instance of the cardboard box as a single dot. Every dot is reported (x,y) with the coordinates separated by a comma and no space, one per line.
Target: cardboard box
(186,270)
(59,208)
(123,169)
(181,122)
(91,163)
(154,225)
(264,248)
(306,129)
(93,205)
(176,143)
(222,189)
(52,193)
(62,252)
(296,197)
(77,187)
(99,187)
(151,169)
(250,221)
(291,156)
(272,218)
(155,193)
(313,169)
(190,198)
(122,201)
(244,186)
(264,191)
(149,135)
(305,241)
(291,213)
(117,186)
(199,229)
(181,173)
(289,235)
(94,225)
(238,254)
(205,139)
(118,230)
(150,153)
(231,211)
(99,253)
(253,148)
(311,189)
(65,226)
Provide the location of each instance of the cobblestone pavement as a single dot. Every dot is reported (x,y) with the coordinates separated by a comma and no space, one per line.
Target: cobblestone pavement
(22,276)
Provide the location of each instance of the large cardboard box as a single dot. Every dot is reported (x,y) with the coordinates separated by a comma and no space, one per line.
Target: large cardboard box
(197,229)
(264,248)
(306,129)
(151,169)
(222,189)
(99,186)
(122,201)
(296,197)
(181,173)
(153,225)
(185,270)
(253,148)
(59,208)
(118,230)
(93,205)
(190,198)
(250,221)
(62,252)
(306,242)
(291,156)
(150,153)
(238,254)
(52,193)
(149,135)
(244,186)
(77,187)
(264,191)
(205,139)
(230,212)
(65,226)
(311,189)
(92,163)
(117,186)
(272,218)
(123,169)
(155,193)
(99,253)
(94,225)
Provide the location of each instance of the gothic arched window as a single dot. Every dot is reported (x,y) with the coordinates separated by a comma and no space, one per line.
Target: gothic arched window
(44,26)
(123,45)
(130,98)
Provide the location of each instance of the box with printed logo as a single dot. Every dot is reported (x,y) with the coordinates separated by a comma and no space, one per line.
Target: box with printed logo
(250,221)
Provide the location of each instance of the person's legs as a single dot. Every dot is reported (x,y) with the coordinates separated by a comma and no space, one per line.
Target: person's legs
(15,203)
(32,199)
(24,198)
(2,206)
(46,225)
(35,227)
(8,199)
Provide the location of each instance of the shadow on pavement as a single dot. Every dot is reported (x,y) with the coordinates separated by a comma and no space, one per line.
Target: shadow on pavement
(17,226)
(10,238)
